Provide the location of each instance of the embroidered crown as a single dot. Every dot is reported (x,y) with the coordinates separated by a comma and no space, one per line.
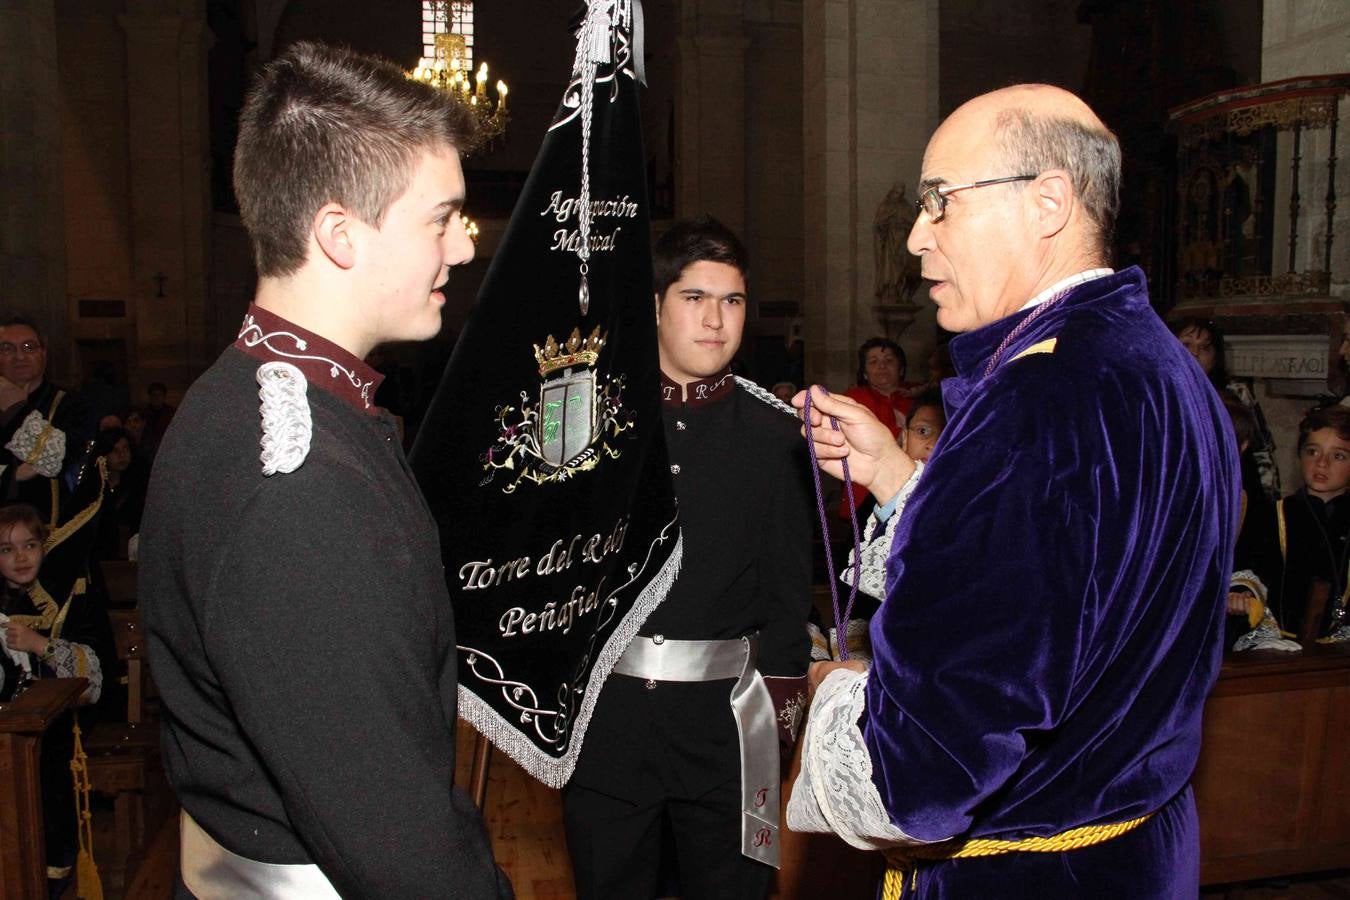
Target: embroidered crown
(576,351)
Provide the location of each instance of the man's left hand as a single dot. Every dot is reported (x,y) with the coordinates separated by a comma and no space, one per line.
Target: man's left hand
(816,674)
(875,460)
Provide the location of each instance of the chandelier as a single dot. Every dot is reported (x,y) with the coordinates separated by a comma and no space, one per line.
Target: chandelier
(449,71)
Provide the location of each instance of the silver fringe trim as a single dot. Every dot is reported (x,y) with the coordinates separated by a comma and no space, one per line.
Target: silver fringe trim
(759,393)
(551,770)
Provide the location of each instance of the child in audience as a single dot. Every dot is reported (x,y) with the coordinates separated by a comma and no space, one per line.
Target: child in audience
(58,628)
(927,418)
(1313,525)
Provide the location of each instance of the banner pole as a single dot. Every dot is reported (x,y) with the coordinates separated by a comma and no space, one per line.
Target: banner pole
(478,771)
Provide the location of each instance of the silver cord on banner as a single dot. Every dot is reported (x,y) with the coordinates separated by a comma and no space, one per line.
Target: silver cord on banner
(592,48)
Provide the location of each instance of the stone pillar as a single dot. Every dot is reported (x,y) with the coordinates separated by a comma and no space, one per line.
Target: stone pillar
(710,112)
(32,236)
(1307,38)
(1302,37)
(166,45)
(870,98)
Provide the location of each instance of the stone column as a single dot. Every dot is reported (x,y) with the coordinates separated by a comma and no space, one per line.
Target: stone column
(1302,37)
(710,112)
(870,104)
(32,235)
(166,45)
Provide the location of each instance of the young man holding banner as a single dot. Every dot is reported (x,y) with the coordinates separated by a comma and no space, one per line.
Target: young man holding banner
(687,730)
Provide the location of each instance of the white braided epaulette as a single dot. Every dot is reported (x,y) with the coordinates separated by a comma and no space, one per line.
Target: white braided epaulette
(286,423)
(759,393)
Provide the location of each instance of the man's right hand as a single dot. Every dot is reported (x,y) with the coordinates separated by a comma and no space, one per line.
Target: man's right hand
(875,460)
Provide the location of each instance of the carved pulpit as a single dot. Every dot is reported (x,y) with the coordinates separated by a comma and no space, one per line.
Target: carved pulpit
(1256,244)
(23,722)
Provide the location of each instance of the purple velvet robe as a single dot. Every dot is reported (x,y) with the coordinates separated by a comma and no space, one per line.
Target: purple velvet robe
(1055,605)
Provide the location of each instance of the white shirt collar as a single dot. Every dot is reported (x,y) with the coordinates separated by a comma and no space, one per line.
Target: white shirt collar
(1064,284)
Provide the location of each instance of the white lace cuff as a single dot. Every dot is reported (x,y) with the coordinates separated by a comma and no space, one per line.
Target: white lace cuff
(40,444)
(68,659)
(1246,578)
(834,792)
(856,635)
(876,548)
(18,657)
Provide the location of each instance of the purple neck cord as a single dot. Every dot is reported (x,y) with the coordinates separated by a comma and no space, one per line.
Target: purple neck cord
(1021,327)
(841,617)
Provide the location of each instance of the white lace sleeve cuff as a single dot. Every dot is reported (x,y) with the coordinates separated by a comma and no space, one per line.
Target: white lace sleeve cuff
(834,791)
(68,659)
(876,547)
(40,444)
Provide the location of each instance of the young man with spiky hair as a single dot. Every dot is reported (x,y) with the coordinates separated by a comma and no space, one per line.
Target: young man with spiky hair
(295,604)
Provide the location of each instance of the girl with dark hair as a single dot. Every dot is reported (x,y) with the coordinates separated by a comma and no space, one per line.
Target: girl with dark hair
(55,630)
(1204,340)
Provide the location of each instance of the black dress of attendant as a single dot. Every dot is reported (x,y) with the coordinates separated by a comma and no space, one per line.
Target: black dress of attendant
(1315,545)
(668,751)
(59,606)
(302,638)
(81,624)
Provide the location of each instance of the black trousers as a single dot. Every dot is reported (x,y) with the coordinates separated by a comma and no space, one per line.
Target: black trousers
(616,844)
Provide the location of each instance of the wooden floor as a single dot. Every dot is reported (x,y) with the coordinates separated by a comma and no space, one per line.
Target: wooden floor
(525,822)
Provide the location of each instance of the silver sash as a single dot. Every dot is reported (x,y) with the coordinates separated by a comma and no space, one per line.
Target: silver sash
(211,872)
(658,659)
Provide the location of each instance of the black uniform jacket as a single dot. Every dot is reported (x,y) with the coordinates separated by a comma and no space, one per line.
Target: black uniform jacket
(302,639)
(741,477)
(72,417)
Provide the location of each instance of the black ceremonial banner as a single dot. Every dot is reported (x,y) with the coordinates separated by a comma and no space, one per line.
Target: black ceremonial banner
(542,455)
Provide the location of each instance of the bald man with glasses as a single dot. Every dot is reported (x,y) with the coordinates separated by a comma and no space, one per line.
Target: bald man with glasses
(1054,576)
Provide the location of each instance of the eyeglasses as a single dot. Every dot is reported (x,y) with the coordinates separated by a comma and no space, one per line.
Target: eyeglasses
(933,202)
(30,347)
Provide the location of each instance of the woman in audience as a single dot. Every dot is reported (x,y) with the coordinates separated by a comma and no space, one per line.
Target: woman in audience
(1204,340)
(123,494)
(135,425)
(1250,624)
(882,389)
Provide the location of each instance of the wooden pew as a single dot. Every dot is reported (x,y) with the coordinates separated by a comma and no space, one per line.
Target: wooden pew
(23,853)
(122,753)
(119,580)
(1272,785)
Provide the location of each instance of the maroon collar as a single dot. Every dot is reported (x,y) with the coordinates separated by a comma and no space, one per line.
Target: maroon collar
(268,337)
(701,392)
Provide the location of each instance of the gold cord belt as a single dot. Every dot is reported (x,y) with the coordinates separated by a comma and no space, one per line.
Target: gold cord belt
(903,862)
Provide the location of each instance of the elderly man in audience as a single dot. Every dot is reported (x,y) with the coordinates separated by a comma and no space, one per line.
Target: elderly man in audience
(44,430)
(1054,590)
